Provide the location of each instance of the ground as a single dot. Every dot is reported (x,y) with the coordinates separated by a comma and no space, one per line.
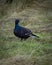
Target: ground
(32,51)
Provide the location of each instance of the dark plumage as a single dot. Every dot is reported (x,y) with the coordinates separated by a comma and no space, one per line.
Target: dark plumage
(22,32)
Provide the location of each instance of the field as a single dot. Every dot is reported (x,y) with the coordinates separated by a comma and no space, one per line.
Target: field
(32,51)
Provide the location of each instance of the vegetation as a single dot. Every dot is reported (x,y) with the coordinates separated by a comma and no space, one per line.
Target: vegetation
(32,51)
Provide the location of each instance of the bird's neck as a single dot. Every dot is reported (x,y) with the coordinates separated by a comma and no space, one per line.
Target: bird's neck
(16,26)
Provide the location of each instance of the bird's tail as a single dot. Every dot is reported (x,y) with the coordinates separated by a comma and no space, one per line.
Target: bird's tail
(33,35)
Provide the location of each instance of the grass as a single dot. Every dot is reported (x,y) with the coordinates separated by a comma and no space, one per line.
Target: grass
(36,51)
(39,51)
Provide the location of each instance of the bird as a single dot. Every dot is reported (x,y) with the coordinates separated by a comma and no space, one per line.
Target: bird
(22,32)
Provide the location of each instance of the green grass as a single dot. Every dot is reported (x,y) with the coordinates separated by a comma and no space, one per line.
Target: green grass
(38,51)
(10,46)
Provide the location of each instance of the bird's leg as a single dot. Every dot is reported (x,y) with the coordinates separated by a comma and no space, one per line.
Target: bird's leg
(21,39)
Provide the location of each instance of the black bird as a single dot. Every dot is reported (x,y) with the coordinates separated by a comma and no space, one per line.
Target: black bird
(22,32)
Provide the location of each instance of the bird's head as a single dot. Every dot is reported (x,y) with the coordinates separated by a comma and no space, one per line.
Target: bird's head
(16,21)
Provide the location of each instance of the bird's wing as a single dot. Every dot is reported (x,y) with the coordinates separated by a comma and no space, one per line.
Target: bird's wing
(24,31)
(27,32)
